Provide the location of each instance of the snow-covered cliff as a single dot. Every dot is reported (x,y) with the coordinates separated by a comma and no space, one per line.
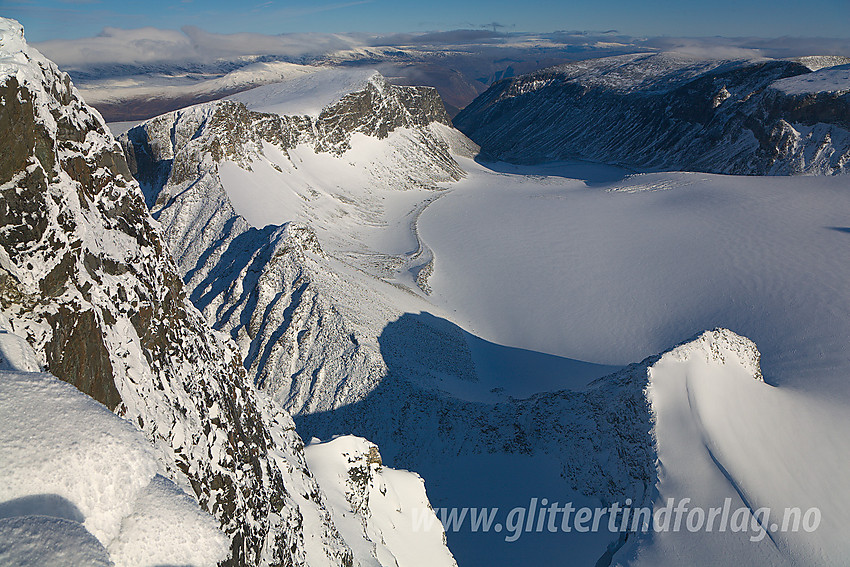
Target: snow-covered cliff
(87,281)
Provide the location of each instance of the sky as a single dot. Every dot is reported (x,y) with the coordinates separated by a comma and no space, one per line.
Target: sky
(71,19)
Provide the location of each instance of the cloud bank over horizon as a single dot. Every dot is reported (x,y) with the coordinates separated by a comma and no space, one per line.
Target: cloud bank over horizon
(192,45)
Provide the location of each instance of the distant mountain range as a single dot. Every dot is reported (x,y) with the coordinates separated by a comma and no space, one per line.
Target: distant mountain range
(671,112)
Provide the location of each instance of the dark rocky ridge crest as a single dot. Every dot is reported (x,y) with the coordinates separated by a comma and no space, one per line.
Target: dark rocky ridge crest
(155,149)
(664,112)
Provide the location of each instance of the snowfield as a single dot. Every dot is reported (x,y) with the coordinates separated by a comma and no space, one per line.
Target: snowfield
(593,263)
(829,80)
(614,271)
(81,486)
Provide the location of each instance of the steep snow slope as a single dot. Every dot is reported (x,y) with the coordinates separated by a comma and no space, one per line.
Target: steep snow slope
(721,432)
(273,169)
(73,471)
(665,111)
(85,279)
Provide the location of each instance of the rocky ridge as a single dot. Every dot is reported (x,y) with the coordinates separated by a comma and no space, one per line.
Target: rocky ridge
(665,112)
(87,280)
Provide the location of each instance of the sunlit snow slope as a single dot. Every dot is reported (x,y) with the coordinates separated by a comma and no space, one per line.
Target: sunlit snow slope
(721,432)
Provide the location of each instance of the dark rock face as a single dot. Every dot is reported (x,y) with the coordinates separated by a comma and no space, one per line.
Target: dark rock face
(77,353)
(663,112)
(85,278)
(376,111)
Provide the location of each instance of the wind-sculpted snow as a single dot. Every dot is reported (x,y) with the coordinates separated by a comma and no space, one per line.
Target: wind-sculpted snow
(668,112)
(86,280)
(67,458)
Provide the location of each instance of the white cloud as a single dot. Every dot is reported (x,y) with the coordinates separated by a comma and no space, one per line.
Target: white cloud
(116,46)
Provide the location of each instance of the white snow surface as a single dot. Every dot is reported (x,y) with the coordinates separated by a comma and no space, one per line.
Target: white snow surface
(376,508)
(155,86)
(15,352)
(306,94)
(834,80)
(591,263)
(46,541)
(722,432)
(67,457)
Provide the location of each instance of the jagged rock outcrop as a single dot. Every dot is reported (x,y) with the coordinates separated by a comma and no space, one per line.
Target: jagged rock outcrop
(86,279)
(666,112)
(170,149)
(379,509)
(273,289)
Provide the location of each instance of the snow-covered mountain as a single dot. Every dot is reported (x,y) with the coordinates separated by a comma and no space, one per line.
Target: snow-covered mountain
(242,194)
(142,95)
(368,276)
(669,111)
(87,282)
(444,311)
